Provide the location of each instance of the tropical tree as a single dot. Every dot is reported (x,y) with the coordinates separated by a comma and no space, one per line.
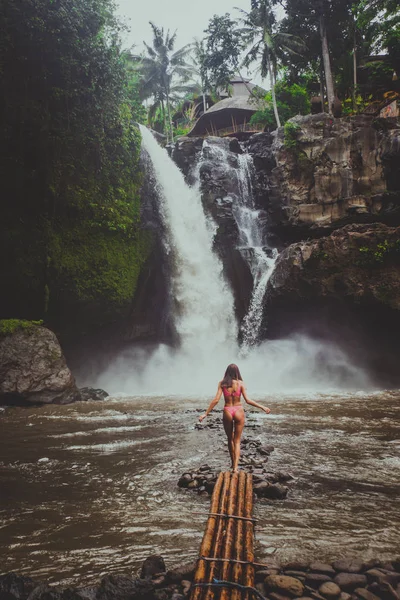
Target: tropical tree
(163,73)
(318,23)
(222,50)
(260,32)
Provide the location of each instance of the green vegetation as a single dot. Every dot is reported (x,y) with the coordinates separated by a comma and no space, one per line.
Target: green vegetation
(379,254)
(10,326)
(290,131)
(291,99)
(69,158)
(162,74)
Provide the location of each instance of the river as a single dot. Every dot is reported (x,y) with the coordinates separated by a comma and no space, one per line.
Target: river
(91,488)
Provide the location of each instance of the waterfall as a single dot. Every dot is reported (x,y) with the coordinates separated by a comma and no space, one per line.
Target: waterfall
(204,306)
(251,244)
(260,257)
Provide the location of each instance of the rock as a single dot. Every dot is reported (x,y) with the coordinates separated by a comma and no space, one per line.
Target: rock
(314,580)
(186,585)
(182,572)
(33,369)
(365,594)
(88,393)
(278,596)
(338,169)
(319,567)
(17,586)
(266,450)
(263,573)
(123,587)
(177,596)
(284,585)
(350,581)
(330,590)
(185,480)
(298,574)
(348,565)
(45,592)
(344,596)
(380,576)
(152,565)
(351,276)
(384,590)
(298,565)
(273,491)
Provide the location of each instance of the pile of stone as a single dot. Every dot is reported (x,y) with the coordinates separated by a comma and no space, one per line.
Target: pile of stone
(254,458)
(342,580)
(153,583)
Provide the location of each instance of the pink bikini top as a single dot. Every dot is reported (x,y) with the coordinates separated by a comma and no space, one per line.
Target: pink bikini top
(237,393)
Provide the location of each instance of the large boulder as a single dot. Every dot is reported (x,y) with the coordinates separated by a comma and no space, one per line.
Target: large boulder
(344,287)
(32,366)
(318,173)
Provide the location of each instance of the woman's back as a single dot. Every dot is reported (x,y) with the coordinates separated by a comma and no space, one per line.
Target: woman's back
(232,393)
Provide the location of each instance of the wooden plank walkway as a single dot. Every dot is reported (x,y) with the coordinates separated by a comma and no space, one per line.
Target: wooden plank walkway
(227,549)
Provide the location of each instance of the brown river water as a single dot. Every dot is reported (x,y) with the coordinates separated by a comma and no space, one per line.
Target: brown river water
(91,488)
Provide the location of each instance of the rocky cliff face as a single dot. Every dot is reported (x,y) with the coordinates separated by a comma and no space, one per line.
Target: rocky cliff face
(343,287)
(319,173)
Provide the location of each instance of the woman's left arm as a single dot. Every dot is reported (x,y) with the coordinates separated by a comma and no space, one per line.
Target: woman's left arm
(252,403)
(213,404)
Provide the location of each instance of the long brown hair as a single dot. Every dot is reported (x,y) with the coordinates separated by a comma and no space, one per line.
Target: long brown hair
(232,372)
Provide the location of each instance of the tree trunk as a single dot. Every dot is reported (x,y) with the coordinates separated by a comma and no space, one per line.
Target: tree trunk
(330,92)
(204,103)
(354,70)
(321,86)
(164,119)
(272,78)
(170,119)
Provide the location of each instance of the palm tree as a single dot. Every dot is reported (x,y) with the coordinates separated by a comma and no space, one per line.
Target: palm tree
(259,32)
(163,73)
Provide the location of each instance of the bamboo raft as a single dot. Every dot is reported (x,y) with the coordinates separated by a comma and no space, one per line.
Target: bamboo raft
(225,566)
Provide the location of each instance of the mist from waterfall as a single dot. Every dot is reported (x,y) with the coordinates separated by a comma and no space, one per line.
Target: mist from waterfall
(204,310)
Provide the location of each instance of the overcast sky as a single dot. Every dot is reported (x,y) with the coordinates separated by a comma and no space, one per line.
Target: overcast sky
(189,18)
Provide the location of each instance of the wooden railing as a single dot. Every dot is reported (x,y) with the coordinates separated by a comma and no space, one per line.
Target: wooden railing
(243,127)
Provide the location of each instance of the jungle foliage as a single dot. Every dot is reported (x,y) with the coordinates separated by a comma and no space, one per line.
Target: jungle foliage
(69,146)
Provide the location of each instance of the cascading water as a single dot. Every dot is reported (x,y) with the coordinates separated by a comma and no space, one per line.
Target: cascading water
(204,307)
(204,316)
(258,255)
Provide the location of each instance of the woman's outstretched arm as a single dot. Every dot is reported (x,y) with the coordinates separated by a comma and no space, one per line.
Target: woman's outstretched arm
(213,403)
(252,403)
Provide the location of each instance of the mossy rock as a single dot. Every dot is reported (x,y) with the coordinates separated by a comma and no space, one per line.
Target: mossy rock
(10,326)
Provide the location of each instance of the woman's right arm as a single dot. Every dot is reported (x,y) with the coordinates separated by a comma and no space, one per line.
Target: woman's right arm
(213,403)
(252,403)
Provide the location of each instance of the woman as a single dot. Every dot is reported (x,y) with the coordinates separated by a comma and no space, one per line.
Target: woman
(233,388)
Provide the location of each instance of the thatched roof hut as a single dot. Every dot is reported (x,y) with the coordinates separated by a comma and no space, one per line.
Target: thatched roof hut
(224,115)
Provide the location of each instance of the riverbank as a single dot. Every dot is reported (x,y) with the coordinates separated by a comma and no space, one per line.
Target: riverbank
(344,579)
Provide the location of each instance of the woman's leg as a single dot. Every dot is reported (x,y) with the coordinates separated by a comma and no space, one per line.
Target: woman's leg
(237,434)
(227,420)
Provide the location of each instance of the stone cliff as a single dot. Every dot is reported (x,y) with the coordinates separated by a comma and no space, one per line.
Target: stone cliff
(317,174)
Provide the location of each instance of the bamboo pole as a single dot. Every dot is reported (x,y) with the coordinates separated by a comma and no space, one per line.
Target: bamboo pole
(248,578)
(237,571)
(230,535)
(219,536)
(206,544)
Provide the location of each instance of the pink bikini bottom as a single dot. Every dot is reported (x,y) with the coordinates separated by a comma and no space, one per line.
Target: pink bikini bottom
(232,409)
